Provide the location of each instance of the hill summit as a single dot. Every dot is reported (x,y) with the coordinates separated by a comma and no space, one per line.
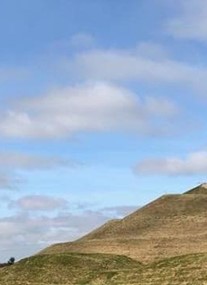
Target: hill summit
(170,226)
(201,189)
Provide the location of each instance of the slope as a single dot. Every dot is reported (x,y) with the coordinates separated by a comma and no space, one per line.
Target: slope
(169,226)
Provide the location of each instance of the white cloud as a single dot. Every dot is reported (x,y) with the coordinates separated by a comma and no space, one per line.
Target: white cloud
(194,163)
(135,65)
(191,23)
(97,107)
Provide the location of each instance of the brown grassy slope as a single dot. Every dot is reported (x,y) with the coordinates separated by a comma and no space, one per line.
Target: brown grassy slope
(169,226)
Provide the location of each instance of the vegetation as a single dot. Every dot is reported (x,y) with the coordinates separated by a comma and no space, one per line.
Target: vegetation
(101,269)
(10,262)
(74,268)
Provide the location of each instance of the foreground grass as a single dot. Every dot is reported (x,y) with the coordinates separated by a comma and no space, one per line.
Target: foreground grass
(102,269)
(73,268)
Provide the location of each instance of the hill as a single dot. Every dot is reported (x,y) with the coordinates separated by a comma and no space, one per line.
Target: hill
(169,235)
(169,226)
(100,269)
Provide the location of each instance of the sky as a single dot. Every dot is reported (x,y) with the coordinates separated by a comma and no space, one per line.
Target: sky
(102,109)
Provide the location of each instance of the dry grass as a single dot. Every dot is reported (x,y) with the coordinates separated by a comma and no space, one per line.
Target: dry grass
(169,226)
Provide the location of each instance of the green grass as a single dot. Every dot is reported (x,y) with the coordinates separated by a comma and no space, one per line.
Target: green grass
(73,268)
(187,269)
(104,269)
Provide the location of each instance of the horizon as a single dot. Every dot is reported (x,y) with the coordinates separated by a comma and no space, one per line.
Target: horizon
(103,109)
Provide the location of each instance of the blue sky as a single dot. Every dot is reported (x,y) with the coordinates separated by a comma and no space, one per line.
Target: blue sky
(102,109)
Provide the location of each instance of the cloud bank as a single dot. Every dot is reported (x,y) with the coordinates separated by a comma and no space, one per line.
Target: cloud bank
(26,232)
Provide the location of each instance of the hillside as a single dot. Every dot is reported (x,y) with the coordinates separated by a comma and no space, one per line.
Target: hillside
(72,268)
(99,269)
(169,226)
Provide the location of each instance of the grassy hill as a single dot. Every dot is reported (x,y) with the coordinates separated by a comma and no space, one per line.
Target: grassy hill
(169,226)
(163,243)
(100,269)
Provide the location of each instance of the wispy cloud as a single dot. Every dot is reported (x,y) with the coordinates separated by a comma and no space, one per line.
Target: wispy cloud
(194,164)
(9,180)
(150,67)
(82,40)
(191,23)
(38,203)
(12,163)
(23,161)
(150,49)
